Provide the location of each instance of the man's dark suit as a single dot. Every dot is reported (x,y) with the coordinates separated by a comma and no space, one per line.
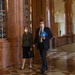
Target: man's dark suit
(43,46)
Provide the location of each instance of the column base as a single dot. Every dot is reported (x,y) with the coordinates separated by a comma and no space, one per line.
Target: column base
(4,53)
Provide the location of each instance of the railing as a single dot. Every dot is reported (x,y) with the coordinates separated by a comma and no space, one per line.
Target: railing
(62,40)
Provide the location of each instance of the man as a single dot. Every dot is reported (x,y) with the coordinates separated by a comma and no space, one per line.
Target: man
(42,41)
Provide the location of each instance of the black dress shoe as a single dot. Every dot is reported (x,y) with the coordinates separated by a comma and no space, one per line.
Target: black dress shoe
(46,68)
(42,72)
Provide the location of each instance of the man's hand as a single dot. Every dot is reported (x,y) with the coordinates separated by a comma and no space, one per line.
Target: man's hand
(43,38)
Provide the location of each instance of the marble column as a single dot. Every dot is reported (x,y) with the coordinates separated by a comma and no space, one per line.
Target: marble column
(68,15)
(51,3)
(35,22)
(51,9)
(34,17)
(68,20)
(38,12)
(14,28)
(4,44)
(43,11)
(47,14)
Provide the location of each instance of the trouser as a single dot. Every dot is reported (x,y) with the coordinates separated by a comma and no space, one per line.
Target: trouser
(43,53)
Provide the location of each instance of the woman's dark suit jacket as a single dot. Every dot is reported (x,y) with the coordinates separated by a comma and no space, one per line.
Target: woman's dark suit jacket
(27,40)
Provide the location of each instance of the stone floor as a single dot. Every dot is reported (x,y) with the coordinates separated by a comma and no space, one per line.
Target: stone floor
(61,61)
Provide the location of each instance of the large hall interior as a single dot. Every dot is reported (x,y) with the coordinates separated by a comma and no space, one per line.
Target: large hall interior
(58,16)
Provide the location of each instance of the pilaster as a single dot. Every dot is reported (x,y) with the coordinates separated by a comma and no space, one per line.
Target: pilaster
(51,3)
(68,15)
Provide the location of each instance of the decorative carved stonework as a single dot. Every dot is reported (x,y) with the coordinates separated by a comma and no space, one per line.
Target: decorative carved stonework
(27,12)
(2,19)
(2,27)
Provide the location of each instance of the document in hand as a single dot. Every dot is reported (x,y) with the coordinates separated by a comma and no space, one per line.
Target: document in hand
(44,34)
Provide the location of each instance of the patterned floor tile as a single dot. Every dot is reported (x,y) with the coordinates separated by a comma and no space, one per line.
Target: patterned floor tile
(60,62)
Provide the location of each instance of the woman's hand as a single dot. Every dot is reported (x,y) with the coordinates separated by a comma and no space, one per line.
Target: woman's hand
(33,45)
(31,49)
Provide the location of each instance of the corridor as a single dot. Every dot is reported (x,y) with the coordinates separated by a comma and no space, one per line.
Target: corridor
(61,61)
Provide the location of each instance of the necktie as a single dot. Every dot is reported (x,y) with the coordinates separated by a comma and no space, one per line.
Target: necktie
(40,36)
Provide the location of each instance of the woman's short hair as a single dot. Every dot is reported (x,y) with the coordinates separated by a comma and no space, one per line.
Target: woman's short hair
(27,28)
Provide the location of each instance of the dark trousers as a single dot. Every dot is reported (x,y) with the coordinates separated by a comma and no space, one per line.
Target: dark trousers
(43,53)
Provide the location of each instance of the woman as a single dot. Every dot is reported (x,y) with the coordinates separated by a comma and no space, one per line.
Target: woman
(27,47)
